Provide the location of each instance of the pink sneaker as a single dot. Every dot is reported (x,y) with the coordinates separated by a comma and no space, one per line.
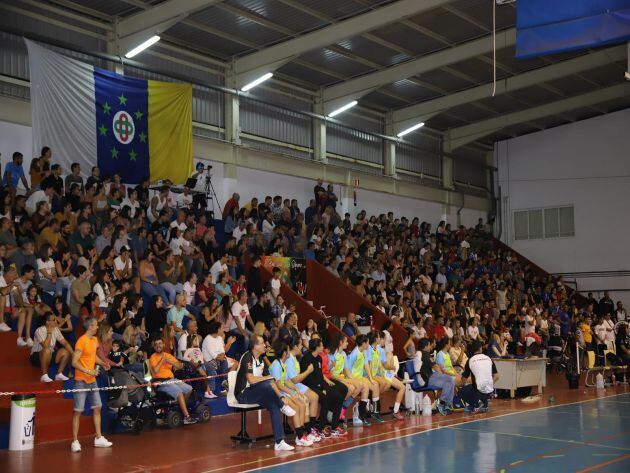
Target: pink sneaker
(342,416)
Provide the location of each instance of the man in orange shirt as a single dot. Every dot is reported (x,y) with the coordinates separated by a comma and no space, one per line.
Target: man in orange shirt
(84,361)
(161,365)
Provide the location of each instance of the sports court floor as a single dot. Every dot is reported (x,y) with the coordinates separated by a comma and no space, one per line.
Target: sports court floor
(590,436)
(583,431)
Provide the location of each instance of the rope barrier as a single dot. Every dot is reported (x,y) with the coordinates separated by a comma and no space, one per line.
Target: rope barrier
(109,388)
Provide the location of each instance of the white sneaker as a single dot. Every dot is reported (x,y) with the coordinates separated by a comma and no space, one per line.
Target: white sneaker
(21,342)
(303,442)
(210,395)
(287,410)
(102,442)
(4,327)
(61,377)
(29,342)
(313,438)
(45,379)
(283,447)
(75,446)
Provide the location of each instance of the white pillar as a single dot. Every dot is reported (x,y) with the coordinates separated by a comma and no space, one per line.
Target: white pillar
(231,111)
(319,132)
(447,173)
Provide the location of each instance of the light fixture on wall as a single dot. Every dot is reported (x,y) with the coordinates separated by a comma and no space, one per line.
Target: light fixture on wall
(410,129)
(256,82)
(347,106)
(142,46)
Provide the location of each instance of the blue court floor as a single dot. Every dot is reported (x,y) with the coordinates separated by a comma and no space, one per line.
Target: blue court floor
(591,436)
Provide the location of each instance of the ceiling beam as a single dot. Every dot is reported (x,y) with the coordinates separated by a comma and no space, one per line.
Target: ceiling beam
(271,58)
(134,29)
(363,85)
(461,136)
(406,117)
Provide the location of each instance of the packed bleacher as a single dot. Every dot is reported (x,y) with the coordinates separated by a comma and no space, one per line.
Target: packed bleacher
(157,283)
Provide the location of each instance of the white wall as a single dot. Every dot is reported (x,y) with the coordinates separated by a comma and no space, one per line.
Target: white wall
(585,164)
(255,183)
(14,138)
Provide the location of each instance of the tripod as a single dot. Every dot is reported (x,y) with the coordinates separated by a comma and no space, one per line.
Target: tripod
(209,193)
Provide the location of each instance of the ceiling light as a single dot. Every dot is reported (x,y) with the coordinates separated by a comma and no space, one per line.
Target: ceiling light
(410,129)
(342,109)
(138,49)
(258,81)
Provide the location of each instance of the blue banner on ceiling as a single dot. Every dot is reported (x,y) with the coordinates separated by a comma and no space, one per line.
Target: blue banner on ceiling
(555,26)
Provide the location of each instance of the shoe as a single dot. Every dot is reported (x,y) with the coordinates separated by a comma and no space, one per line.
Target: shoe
(377,418)
(75,446)
(325,433)
(398,416)
(313,437)
(443,409)
(45,379)
(483,409)
(342,415)
(61,377)
(21,342)
(287,410)
(365,422)
(4,327)
(303,442)
(29,342)
(102,442)
(210,395)
(189,420)
(283,447)
(339,432)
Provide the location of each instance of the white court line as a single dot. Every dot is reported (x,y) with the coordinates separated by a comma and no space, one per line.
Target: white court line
(414,433)
(547,439)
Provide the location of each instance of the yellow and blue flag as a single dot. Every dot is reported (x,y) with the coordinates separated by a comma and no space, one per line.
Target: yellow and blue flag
(133,127)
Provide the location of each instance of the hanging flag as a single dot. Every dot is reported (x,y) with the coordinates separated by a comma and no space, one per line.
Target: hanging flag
(133,127)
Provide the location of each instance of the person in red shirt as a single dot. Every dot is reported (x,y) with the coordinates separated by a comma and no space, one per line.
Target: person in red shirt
(231,204)
(439,333)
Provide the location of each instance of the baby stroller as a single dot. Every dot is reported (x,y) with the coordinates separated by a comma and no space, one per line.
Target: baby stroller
(557,354)
(133,407)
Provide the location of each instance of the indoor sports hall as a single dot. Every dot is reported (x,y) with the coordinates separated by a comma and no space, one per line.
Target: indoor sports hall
(314,236)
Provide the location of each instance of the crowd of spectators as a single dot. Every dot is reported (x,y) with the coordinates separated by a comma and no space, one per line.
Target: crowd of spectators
(152,269)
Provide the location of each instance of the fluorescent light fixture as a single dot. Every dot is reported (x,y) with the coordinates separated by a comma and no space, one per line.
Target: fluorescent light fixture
(347,106)
(256,82)
(410,129)
(141,47)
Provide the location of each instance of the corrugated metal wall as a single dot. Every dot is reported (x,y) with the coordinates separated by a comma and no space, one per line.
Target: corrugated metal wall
(353,144)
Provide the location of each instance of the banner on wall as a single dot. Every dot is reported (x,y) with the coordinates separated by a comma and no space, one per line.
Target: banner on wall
(292,271)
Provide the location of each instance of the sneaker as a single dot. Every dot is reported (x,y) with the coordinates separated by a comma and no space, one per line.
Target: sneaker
(342,415)
(365,422)
(45,379)
(398,416)
(283,447)
(102,442)
(75,446)
(61,377)
(21,342)
(287,410)
(4,327)
(325,433)
(339,432)
(377,417)
(210,395)
(443,409)
(313,437)
(483,409)
(303,442)
(29,342)
(189,420)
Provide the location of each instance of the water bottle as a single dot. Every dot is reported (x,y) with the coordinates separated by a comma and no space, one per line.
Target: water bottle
(418,404)
(599,381)
(426,406)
